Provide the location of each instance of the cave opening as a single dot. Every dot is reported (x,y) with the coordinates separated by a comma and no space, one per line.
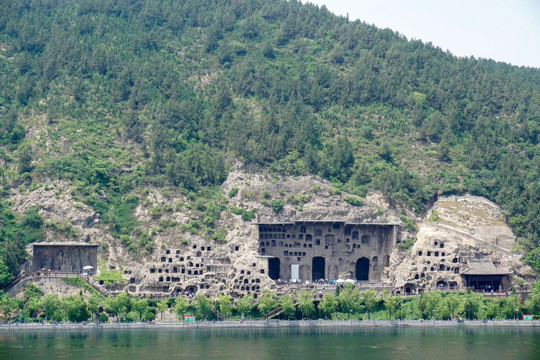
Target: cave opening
(273,268)
(362,269)
(317,268)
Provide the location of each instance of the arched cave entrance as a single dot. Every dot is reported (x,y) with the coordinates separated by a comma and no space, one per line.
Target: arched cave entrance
(442,284)
(273,268)
(409,289)
(191,290)
(362,269)
(317,268)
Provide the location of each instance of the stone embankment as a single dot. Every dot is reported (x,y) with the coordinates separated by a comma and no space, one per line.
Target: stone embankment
(272,323)
(53,284)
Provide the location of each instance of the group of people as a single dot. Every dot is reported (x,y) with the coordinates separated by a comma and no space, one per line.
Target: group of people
(308,282)
(42,272)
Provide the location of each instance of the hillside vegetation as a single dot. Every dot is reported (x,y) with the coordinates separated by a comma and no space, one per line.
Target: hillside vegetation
(114,95)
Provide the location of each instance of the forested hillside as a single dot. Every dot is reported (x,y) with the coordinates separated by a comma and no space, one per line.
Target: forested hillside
(113,95)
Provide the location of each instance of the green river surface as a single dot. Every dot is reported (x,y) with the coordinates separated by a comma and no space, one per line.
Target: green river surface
(273,343)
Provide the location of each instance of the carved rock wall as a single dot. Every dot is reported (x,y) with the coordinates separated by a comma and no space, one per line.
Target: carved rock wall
(455,231)
(185,259)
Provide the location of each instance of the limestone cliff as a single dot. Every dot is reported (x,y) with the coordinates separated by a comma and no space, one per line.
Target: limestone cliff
(184,258)
(456,232)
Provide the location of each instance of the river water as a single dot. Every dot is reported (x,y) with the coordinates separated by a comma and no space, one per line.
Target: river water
(273,343)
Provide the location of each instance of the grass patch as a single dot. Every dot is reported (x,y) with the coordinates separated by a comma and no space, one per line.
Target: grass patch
(434,216)
(353,200)
(408,223)
(77,281)
(407,244)
(110,276)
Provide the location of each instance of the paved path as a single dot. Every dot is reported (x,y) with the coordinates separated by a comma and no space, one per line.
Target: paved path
(272,323)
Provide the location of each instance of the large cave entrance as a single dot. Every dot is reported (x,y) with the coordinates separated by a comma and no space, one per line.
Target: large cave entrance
(317,268)
(362,269)
(273,268)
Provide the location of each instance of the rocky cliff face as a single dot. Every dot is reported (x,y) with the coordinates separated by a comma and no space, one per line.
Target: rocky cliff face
(187,261)
(65,216)
(457,232)
(184,258)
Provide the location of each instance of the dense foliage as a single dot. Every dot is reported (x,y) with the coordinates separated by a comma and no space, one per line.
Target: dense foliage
(14,236)
(113,94)
(348,303)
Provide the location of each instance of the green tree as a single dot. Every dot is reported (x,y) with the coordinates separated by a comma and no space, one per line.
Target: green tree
(95,301)
(433,299)
(510,307)
(180,306)
(203,307)
(470,305)
(31,292)
(385,152)
(328,305)
(224,304)
(75,308)
(244,305)
(286,302)
(337,159)
(391,303)
(443,150)
(9,307)
(533,302)
(119,306)
(5,274)
(51,306)
(25,160)
(422,304)
(140,307)
(32,308)
(277,205)
(305,304)
(349,299)
(267,302)
(163,306)
(369,298)
(453,304)
(490,308)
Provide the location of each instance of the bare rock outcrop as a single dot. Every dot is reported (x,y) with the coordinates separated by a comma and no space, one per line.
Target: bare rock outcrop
(176,248)
(185,260)
(67,219)
(457,232)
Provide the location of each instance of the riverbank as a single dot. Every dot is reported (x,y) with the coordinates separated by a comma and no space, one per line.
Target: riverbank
(266,324)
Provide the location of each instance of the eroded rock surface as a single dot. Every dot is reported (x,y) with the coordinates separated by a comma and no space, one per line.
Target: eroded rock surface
(172,252)
(457,231)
